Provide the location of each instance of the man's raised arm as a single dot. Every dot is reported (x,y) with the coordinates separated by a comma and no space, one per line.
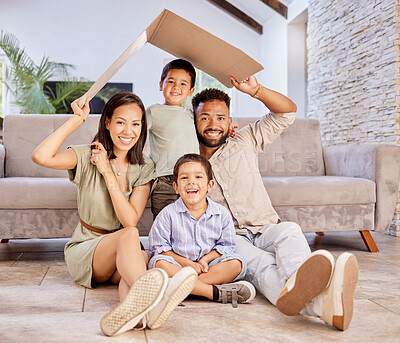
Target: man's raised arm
(276,102)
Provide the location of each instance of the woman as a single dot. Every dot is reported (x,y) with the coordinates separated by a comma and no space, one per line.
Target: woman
(114,180)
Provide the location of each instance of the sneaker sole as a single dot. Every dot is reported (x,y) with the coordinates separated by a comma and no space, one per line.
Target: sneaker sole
(251,288)
(350,278)
(175,299)
(145,294)
(311,279)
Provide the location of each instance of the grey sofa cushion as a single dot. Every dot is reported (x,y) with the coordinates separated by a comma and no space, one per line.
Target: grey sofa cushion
(296,152)
(37,192)
(21,138)
(319,190)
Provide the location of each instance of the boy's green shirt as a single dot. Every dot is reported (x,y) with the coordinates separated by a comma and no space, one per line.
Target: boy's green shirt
(171,134)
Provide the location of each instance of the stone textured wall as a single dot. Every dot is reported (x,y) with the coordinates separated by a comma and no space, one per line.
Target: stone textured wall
(354,72)
(395,228)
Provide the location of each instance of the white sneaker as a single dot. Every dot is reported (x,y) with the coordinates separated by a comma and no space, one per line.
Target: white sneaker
(311,279)
(337,299)
(179,287)
(144,294)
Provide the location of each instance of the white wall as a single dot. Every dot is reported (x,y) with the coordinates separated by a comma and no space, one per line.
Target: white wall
(274,52)
(297,63)
(91,34)
(283,55)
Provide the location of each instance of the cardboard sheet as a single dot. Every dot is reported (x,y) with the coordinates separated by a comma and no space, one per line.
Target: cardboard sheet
(183,39)
(205,51)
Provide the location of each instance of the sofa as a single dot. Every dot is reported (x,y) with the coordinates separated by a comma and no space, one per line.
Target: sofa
(337,188)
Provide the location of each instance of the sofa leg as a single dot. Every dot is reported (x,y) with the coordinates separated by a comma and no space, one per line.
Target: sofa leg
(369,241)
(4,241)
(320,233)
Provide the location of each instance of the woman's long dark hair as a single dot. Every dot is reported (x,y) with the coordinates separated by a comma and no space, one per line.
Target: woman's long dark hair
(135,154)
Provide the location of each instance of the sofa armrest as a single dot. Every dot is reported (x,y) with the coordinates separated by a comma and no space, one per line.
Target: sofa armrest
(2,160)
(379,163)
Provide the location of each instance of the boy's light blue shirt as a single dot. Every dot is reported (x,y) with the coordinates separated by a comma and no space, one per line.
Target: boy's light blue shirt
(172,134)
(175,229)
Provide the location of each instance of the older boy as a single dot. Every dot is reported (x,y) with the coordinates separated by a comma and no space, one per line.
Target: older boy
(195,231)
(171,129)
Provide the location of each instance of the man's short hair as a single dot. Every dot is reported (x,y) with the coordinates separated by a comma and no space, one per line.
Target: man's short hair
(180,64)
(210,94)
(193,158)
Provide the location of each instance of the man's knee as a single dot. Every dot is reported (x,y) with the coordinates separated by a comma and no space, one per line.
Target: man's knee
(288,228)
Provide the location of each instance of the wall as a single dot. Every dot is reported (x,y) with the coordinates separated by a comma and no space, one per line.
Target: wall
(297,63)
(353,71)
(91,34)
(283,54)
(274,52)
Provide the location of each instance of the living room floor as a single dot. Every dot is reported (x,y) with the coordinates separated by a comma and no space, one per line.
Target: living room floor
(40,302)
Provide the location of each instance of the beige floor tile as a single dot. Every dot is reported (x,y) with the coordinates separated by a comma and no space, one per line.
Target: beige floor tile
(18,276)
(7,256)
(41,303)
(58,276)
(391,303)
(6,264)
(60,327)
(45,258)
(38,299)
(101,299)
(259,323)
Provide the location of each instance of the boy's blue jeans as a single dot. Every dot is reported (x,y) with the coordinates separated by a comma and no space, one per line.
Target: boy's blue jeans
(220,259)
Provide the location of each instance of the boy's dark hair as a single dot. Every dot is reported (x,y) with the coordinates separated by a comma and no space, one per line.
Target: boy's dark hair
(180,64)
(135,154)
(193,158)
(210,94)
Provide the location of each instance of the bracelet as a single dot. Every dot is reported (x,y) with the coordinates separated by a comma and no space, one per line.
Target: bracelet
(83,119)
(258,92)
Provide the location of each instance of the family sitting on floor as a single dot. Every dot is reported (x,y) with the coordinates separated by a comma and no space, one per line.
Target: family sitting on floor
(215,233)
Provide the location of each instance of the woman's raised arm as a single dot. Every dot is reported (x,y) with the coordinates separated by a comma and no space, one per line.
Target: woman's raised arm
(47,154)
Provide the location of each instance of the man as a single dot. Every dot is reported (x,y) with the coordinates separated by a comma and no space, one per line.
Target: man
(280,263)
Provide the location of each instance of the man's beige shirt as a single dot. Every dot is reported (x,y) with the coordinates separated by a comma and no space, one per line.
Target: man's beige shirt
(238,183)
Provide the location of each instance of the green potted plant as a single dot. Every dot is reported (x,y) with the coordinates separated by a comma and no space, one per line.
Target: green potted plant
(27,81)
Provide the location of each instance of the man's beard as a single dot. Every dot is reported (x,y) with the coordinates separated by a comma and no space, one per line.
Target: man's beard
(207,142)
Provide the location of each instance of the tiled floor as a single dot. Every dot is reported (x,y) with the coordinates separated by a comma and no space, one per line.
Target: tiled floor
(40,303)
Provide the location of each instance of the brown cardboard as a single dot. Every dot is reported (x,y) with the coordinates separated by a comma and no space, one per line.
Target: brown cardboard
(183,39)
(205,51)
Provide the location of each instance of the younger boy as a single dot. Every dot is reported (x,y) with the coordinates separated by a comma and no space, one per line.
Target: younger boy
(197,232)
(171,129)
